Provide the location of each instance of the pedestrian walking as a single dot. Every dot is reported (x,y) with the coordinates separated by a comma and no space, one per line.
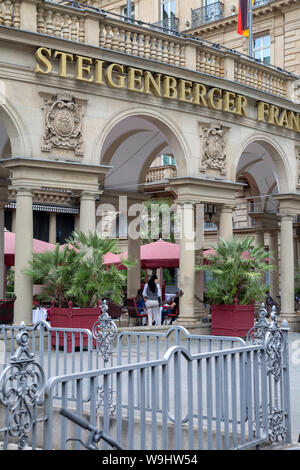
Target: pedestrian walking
(152,296)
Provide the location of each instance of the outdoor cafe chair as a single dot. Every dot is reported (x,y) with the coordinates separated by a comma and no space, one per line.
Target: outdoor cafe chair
(7,312)
(114,311)
(133,311)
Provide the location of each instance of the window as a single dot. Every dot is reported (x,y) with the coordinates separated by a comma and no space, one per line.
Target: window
(167,9)
(262,49)
(124,12)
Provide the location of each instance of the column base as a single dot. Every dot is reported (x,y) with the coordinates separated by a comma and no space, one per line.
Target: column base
(293,320)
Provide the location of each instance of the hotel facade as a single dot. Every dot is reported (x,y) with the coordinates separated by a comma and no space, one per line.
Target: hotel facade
(97,109)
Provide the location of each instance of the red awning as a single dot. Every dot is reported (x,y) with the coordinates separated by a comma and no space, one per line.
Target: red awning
(9,247)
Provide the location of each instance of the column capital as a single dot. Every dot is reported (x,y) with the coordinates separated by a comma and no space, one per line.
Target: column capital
(286,216)
(185,202)
(90,194)
(227,207)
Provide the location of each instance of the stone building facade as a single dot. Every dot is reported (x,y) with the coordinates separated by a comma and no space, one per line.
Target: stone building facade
(89,100)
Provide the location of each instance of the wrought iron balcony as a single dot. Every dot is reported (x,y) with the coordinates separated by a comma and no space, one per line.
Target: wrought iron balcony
(167,25)
(206,14)
(262,205)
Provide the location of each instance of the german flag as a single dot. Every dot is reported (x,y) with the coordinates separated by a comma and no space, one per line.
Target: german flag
(243,17)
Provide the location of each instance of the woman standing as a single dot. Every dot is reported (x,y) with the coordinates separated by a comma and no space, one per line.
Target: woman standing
(152,294)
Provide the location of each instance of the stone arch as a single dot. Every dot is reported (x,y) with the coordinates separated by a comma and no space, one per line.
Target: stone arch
(13,125)
(285,174)
(173,136)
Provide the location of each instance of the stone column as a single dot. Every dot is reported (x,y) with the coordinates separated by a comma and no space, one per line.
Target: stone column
(23,255)
(13,221)
(134,274)
(52,228)
(287,264)
(260,237)
(87,222)
(187,266)
(199,275)
(225,222)
(273,275)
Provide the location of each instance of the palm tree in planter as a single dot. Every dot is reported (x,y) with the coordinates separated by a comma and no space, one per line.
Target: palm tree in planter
(75,279)
(237,281)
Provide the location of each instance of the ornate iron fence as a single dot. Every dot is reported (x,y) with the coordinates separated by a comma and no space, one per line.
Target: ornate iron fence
(183,392)
(206,14)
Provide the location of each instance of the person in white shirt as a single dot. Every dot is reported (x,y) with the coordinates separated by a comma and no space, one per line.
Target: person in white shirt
(152,295)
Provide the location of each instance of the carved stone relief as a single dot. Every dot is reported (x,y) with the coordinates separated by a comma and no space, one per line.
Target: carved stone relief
(63,124)
(213,154)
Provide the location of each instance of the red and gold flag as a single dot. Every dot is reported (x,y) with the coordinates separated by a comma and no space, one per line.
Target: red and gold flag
(243,17)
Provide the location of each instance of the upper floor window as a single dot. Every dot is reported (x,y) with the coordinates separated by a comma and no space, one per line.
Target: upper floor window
(167,9)
(167,160)
(124,12)
(262,48)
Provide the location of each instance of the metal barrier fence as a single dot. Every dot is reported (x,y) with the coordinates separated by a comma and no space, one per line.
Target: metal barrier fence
(173,390)
(142,346)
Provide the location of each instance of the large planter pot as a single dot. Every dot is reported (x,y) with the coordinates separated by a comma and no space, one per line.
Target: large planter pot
(232,320)
(72,317)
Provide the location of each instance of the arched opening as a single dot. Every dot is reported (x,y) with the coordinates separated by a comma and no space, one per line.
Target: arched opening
(137,143)
(144,153)
(263,172)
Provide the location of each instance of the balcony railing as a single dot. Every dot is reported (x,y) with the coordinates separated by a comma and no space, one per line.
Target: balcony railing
(160,173)
(167,24)
(262,205)
(67,20)
(258,3)
(206,14)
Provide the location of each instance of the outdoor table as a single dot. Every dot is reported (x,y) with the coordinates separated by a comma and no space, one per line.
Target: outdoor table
(169,296)
(39,314)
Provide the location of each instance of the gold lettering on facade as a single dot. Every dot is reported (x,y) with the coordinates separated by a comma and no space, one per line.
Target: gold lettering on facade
(99,72)
(83,68)
(137,80)
(64,56)
(41,56)
(119,81)
(214,98)
(169,87)
(185,91)
(152,84)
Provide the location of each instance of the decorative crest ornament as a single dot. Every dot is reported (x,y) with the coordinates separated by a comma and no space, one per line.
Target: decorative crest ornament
(258,332)
(213,148)
(62,123)
(21,386)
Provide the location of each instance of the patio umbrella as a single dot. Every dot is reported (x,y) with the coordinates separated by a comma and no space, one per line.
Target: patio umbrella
(9,247)
(113,259)
(160,254)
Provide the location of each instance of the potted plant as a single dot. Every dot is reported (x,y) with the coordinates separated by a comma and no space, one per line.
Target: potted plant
(75,279)
(237,270)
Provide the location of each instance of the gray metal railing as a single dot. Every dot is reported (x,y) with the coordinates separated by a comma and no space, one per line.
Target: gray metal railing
(146,345)
(168,390)
(206,14)
(207,401)
(167,24)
